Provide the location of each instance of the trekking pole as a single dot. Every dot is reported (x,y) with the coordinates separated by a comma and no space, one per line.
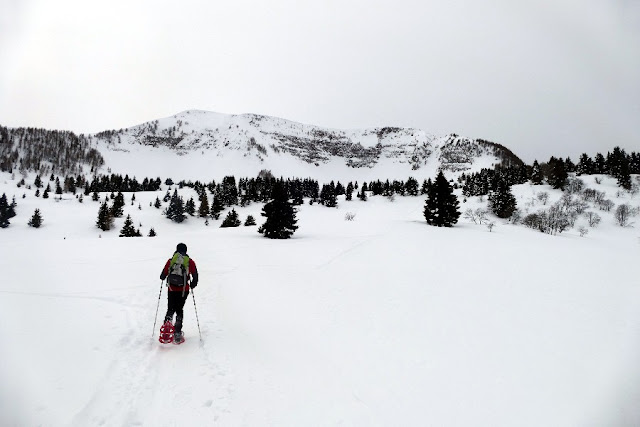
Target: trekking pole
(196,309)
(157,308)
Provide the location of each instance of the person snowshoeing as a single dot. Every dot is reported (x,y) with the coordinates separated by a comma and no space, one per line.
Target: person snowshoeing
(181,274)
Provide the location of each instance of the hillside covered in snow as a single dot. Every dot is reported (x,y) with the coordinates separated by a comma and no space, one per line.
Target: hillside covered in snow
(378,320)
(205,145)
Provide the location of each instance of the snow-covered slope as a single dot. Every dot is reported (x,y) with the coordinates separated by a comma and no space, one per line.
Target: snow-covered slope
(374,322)
(205,145)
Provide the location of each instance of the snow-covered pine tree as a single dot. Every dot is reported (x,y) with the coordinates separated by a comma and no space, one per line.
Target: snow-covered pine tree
(4,211)
(190,207)
(619,167)
(362,195)
(441,206)
(501,201)
(128,230)
(411,187)
(250,221)
(175,211)
(36,219)
(105,219)
(599,164)
(58,187)
(117,209)
(328,195)
(229,191)
(557,173)
(536,174)
(217,206)
(585,165)
(203,210)
(297,196)
(281,215)
(349,192)
(231,220)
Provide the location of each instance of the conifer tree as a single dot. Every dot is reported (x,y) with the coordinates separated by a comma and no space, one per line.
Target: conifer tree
(231,220)
(411,187)
(204,210)
(36,219)
(536,174)
(11,212)
(118,206)
(296,193)
(349,192)
(280,214)
(425,187)
(217,206)
(599,164)
(328,196)
(502,202)
(128,230)
(362,195)
(157,204)
(190,207)
(441,206)
(557,174)
(585,165)
(569,165)
(229,191)
(175,211)
(152,232)
(619,167)
(250,221)
(105,219)
(4,212)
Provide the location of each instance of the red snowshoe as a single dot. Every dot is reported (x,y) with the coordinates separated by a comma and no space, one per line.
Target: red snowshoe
(166,333)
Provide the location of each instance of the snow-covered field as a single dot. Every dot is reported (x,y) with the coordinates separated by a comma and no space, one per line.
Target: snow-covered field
(383,320)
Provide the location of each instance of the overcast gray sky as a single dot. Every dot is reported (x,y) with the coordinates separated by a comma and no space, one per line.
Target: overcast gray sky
(550,77)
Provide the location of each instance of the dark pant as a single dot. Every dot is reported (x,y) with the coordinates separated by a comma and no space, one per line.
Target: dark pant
(175,305)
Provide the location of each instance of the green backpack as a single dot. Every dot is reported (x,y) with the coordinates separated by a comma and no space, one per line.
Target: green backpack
(178,270)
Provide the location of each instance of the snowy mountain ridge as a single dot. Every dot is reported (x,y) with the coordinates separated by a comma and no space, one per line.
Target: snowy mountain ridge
(209,142)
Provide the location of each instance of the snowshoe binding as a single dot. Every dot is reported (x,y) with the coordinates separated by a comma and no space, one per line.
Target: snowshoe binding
(178,337)
(166,332)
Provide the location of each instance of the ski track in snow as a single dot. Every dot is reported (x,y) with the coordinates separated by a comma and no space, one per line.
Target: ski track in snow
(149,383)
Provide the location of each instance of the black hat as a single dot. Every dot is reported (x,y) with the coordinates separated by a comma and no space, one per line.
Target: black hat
(181,248)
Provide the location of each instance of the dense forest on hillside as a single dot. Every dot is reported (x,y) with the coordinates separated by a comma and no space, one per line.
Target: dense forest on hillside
(46,151)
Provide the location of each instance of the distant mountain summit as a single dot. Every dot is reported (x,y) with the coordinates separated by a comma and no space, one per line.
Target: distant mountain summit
(200,144)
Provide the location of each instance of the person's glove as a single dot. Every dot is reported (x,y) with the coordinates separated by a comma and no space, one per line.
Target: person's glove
(193,285)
